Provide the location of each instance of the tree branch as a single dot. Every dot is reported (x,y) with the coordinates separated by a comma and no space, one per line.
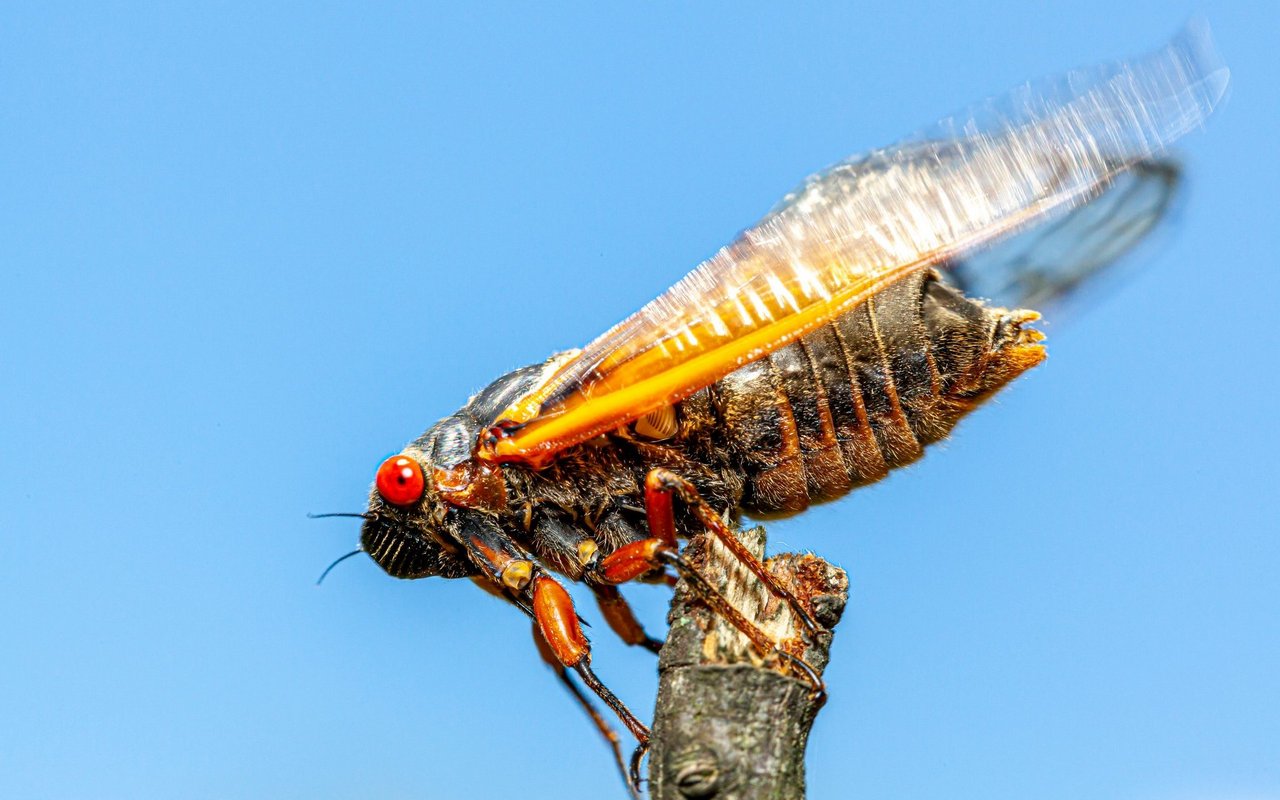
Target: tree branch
(728,725)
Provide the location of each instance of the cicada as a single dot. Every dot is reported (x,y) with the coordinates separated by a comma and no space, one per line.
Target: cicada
(828,344)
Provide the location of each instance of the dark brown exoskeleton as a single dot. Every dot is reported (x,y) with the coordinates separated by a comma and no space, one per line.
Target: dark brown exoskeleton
(838,409)
(820,350)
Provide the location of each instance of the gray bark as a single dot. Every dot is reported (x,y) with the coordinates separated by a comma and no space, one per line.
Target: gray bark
(728,724)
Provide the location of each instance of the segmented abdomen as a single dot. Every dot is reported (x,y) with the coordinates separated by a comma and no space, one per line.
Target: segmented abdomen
(855,398)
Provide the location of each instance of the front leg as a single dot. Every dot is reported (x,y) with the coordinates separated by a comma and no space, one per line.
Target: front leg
(570,548)
(511,571)
(561,631)
(601,724)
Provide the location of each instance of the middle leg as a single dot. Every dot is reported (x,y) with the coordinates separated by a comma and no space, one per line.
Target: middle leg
(622,620)
(638,558)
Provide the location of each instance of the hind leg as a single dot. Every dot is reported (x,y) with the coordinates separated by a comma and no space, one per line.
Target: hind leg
(661,485)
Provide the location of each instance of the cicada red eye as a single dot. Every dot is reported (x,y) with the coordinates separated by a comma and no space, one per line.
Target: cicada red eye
(400,481)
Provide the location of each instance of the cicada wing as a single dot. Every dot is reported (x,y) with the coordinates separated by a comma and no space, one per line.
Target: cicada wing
(1049,262)
(852,230)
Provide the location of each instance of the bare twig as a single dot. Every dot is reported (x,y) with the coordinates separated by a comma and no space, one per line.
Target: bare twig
(729,724)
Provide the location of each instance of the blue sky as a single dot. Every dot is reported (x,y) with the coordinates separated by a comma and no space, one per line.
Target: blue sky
(247,252)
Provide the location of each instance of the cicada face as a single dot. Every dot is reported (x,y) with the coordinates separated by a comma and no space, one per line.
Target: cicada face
(405,529)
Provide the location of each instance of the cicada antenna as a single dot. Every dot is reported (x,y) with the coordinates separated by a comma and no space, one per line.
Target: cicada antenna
(365,515)
(336,562)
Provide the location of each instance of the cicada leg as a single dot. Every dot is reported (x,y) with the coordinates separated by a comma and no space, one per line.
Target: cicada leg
(661,484)
(602,725)
(622,620)
(569,547)
(637,558)
(561,630)
(510,571)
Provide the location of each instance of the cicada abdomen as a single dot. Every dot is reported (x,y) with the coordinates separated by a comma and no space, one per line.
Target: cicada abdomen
(867,392)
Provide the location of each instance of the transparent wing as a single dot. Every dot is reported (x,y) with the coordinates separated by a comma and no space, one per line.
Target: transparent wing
(851,230)
(1045,264)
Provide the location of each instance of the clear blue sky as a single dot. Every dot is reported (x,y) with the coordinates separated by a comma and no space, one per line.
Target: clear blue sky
(246,253)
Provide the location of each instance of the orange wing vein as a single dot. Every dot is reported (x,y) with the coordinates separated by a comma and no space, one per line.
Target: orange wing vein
(848,232)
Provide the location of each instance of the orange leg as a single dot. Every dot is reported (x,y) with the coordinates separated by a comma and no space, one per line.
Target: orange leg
(561,631)
(661,484)
(602,725)
(637,558)
(621,619)
(507,570)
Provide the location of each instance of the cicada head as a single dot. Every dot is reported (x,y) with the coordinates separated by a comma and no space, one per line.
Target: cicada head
(404,529)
